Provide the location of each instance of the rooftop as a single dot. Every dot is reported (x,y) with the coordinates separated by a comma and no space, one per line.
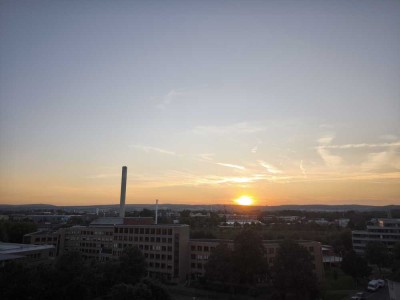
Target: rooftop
(11,248)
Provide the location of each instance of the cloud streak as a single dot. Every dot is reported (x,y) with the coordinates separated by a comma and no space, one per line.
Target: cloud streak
(231,166)
(170,97)
(236,128)
(362,145)
(270,168)
(153,149)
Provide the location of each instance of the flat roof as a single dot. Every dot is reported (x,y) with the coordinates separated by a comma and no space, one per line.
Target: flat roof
(231,241)
(108,221)
(154,225)
(10,248)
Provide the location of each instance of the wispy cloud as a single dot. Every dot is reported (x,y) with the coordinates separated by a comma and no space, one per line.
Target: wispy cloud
(101,176)
(303,170)
(270,168)
(242,127)
(362,145)
(231,166)
(389,159)
(328,158)
(206,156)
(153,149)
(170,97)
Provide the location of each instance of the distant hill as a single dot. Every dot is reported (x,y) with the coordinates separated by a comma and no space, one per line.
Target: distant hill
(315,207)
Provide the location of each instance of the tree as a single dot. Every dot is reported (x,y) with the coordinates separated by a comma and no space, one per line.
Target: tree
(219,267)
(144,290)
(132,265)
(377,254)
(147,213)
(13,232)
(355,266)
(249,258)
(292,272)
(70,269)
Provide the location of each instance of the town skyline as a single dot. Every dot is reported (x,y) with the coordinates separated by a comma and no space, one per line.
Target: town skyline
(293,102)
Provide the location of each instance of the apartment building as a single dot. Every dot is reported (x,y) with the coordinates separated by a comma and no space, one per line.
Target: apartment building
(165,248)
(386,231)
(201,249)
(47,237)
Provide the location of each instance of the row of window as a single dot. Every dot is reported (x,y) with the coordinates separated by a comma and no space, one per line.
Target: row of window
(145,247)
(201,248)
(199,257)
(159,231)
(34,255)
(377,236)
(44,239)
(143,239)
(159,265)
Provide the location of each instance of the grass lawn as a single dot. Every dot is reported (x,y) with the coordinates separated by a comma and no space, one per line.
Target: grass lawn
(340,288)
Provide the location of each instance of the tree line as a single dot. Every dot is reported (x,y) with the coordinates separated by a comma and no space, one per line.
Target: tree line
(72,277)
(245,268)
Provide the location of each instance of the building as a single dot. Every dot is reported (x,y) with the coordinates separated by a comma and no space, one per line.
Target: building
(386,231)
(47,237)
(31,254)
(165,247)
(201,249)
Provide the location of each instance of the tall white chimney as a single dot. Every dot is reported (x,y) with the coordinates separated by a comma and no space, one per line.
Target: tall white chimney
(123,192)
(156,211)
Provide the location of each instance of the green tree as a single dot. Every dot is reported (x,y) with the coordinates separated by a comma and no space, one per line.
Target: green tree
(377,254)
(132,265)
(292,272)
(147,213)
(355,266)
(70,269)
(249,259)
(13,232)
(219,267)
(144,290)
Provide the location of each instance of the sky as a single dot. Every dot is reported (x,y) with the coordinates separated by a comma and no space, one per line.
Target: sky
(290,102)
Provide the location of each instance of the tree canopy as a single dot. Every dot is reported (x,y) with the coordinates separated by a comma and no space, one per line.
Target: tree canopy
(355,266)
(292,272)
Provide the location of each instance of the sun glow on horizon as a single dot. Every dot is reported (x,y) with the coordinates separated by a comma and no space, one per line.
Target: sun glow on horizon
(244,200)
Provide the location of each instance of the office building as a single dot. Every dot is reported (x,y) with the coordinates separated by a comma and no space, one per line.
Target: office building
(386,231)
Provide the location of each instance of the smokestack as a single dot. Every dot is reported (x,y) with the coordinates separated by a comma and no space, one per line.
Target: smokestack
(123,192)
(156,211)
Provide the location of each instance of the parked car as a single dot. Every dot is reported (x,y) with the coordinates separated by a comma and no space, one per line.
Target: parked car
(373,285)
(381,282)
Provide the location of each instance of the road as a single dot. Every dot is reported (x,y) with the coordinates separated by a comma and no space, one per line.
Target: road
(381,294)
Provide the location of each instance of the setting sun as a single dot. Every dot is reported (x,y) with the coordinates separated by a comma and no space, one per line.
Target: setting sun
(244,200)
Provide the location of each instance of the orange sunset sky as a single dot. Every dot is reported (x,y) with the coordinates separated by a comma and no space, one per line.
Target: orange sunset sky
(288,102)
